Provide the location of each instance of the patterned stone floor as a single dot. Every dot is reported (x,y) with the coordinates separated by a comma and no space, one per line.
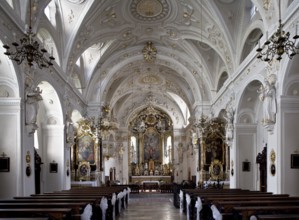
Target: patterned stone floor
(151,206)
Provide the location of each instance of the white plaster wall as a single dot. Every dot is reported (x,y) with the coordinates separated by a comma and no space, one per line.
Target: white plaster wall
(290,144)
(53,150)
(10,145)
(246,151)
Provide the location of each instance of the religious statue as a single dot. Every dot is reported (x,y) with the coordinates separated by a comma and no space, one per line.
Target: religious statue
(32,97)
(180,152)
(230,123)
(268,97)
(70,131)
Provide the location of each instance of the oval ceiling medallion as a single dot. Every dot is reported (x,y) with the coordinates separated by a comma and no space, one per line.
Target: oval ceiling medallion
(149,10)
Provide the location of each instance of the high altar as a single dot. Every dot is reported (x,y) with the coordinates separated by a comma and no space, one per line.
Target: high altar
(151,152)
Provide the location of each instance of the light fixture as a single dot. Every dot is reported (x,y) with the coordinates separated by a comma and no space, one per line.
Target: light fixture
(29,49)
(278,44)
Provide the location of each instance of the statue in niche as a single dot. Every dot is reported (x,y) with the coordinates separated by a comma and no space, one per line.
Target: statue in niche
(70,131)
(32,97)
(230,123)
(181,153)
(268,97)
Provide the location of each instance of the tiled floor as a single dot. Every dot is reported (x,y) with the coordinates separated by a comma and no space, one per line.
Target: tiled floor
(151,206)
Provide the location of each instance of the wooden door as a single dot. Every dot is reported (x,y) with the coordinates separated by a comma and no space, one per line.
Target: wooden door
(261,159)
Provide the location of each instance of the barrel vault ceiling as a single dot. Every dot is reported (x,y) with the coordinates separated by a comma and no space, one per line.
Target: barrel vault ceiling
(99,47)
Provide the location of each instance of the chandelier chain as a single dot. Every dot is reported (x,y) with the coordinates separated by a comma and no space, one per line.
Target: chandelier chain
(278,44)
(29,49)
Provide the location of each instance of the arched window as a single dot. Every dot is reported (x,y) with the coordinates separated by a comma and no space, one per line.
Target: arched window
(50,12)
(134,152)
(168,151)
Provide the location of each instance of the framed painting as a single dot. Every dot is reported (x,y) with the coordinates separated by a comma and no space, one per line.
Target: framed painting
(53,167)
(4,164)
(295,161)
(246,166)
(86,149)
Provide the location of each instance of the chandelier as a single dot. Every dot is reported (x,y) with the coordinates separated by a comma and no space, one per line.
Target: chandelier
(29,49)
(278,44)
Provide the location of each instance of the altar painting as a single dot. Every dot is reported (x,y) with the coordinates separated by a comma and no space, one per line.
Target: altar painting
(152,149)
(86,149)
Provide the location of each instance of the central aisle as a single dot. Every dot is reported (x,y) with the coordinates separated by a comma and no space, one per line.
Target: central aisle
(151,206)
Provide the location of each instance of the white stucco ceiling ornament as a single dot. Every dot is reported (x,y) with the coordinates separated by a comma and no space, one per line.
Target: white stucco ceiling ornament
(188,14)
(273,68)
(149,10)
(216,38)
(227,1)
(266,4)
(77,1)
(4,92)
(150,79)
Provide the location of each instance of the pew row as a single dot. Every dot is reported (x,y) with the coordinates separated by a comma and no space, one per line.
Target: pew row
(235,204)
(80,203)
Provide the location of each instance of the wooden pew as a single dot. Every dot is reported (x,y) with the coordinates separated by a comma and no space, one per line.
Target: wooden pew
(31,218)
(227,206)
(210,193)
(52,213)
(246,211)
(102,192)
(238,198)
(52,199)
(107,192)
(278,217)
(76,207)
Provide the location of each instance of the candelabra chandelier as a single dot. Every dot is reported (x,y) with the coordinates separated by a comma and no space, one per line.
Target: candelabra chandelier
(278,44)
(29,50)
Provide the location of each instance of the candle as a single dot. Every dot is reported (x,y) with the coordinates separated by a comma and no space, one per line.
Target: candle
(259,44)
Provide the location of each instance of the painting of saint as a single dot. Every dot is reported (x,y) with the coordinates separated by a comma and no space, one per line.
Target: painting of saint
(152,147)
(86,149)
(214,151)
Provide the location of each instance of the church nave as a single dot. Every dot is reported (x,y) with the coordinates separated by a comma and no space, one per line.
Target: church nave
(151,206)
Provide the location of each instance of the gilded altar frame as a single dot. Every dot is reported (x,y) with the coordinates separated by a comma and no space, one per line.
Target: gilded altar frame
(85,152)
(214,151)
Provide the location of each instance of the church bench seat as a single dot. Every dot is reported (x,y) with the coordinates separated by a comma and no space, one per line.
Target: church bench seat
(214,192)
(227,206)
(96,200)
(77,208)
(278,217)
(35,200)
(31,218)
(210,199)
(247,211)
(52,213)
